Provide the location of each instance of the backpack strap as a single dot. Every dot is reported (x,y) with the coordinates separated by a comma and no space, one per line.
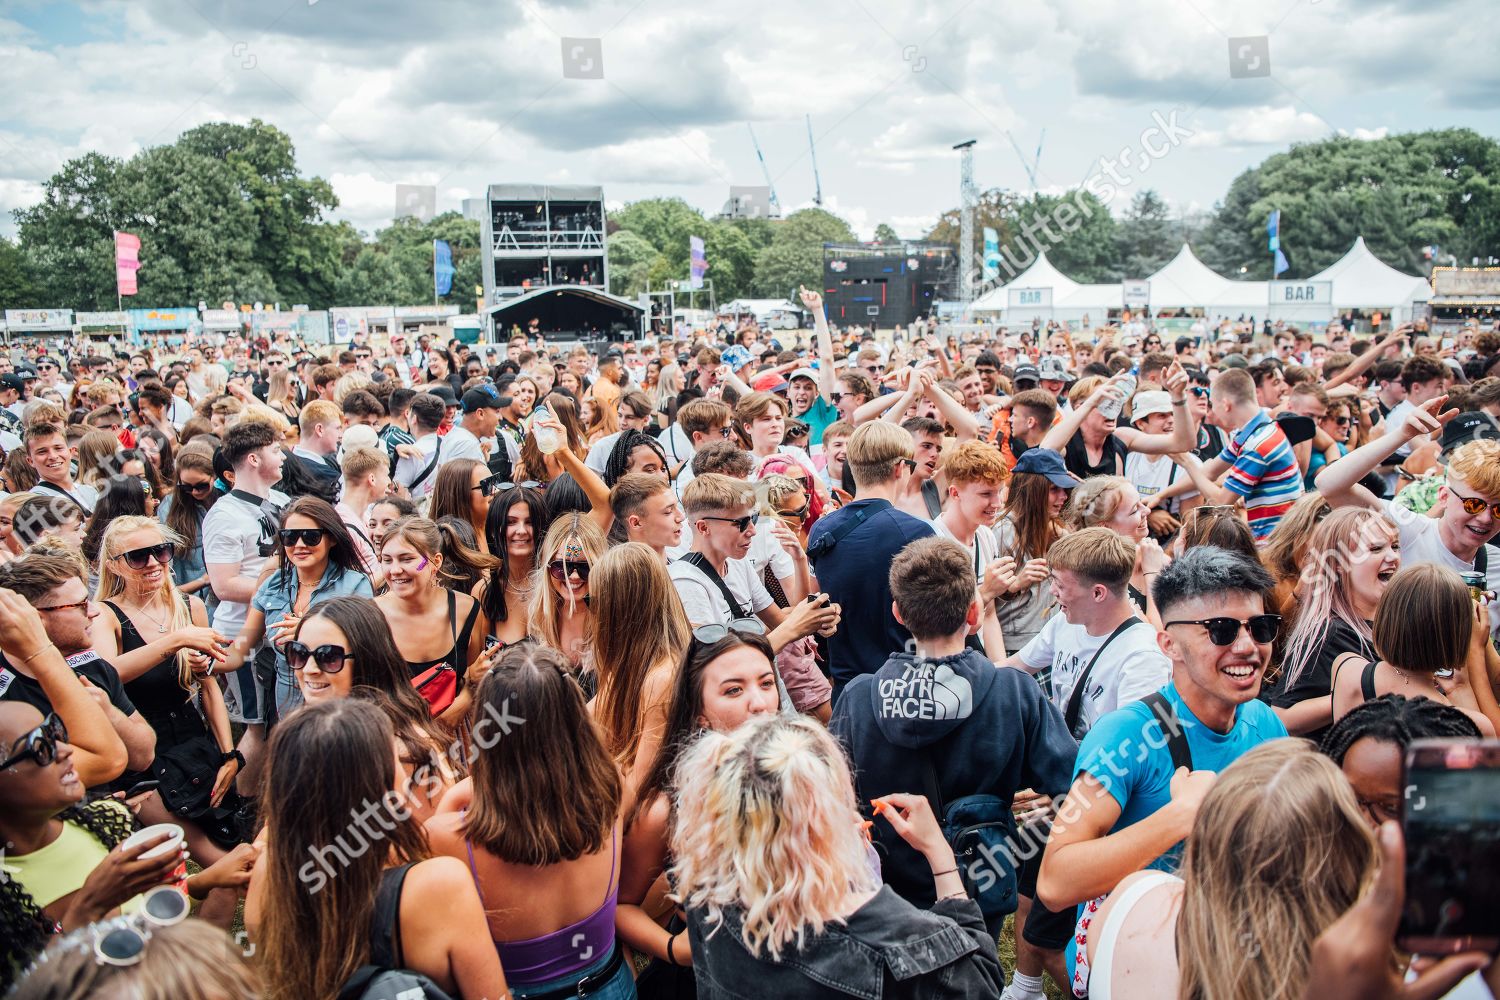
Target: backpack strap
(1075,700)
(707,569)
(436,453)
(1482,560)
(826,543)
(385,923)
(1166,717)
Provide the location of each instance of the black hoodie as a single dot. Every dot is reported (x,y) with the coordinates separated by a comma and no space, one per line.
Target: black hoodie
(988,729)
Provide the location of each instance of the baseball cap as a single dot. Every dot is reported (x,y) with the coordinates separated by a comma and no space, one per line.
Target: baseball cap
(806,373)
(445,393)
(1473,425)
(1053,369)
(480,397)
(1026,373)
(1146,403)
(27,373)
(1045,462)
(11,380)
(47,359)
(770,382)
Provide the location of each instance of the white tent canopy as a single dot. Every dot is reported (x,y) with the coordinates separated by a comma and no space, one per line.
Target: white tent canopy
(1186,282)
(1041,274)
(1363,281)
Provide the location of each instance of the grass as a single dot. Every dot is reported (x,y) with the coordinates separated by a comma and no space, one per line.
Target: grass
(1008,960)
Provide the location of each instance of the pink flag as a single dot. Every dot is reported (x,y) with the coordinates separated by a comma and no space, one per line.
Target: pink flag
(127,260)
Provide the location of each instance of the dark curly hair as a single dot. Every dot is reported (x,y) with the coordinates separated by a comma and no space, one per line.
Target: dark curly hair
(23,927)
(1394,718)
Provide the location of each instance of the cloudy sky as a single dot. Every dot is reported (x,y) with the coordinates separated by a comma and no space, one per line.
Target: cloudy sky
(464,93)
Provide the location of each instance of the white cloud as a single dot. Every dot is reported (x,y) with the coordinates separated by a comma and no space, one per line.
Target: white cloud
(1263,126)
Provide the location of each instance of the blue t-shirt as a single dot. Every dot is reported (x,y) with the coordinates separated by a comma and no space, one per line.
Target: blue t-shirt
(1127,753)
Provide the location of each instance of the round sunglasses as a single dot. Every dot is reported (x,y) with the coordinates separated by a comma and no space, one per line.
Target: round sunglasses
(39,745)
(710,634)
(142,557)
(329,658)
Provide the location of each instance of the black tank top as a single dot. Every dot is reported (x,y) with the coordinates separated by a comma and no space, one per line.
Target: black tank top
(157,694)
(457,657)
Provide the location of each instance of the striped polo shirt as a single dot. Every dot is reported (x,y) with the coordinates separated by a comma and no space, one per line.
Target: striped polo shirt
(1264,472)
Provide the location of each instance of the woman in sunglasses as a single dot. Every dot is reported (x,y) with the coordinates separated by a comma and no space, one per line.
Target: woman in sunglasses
(727,677)
(316,560)
(559,614)
(183,510)
(1430,637)
(312,921)
(459,492)
(538,827)
(437,629)
(63,869)
(342,649)
(516,522)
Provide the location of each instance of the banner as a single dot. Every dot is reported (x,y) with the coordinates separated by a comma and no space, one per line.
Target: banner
(1135,293)
(991,254)
(442,268)
(1273,231)
(1281,264)
(127,262)
(698,265)
(38,319)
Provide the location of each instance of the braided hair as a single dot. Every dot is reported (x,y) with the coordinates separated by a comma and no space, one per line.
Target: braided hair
(618,462)
(23,926)
(1394,718)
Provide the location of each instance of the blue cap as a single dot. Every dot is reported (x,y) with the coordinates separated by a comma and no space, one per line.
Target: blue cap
(1045,462)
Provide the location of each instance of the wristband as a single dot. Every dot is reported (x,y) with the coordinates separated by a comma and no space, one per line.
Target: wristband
(950,871)
(232,755)
(51,646)
(671,957)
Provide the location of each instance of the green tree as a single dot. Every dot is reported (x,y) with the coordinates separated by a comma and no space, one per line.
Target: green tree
(731,260)
(795,256)
(69,235)
(665,223)
(885,234)
(1147,236)
(18,287)
(630,258)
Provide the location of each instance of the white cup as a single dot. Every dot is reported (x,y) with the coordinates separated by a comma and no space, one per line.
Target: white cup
(170,845)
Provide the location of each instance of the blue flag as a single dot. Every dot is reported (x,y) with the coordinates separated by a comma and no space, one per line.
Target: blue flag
(1280,265)
(442,267)
(991,254)
(1273,231)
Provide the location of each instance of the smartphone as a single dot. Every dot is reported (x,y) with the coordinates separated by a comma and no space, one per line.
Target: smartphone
(141,788)
(490,642)
(1451,818)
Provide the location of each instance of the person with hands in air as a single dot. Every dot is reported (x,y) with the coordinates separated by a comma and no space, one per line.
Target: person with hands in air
(812,387)
(1143,769)
(1091,443)
(780,888)
(32,660)
(1468,502)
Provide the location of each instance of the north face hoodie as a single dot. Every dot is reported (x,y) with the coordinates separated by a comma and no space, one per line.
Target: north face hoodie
(988,730)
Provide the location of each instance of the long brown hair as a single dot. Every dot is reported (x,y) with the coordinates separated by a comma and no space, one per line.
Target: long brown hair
(185,514)
(545,791)
(640,625)
(533,463)
(327,762)
(1028,504)
(452,491)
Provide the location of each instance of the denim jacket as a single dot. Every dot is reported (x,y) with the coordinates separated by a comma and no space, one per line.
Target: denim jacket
(888,949)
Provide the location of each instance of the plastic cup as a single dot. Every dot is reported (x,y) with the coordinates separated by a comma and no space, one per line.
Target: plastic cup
(170,845)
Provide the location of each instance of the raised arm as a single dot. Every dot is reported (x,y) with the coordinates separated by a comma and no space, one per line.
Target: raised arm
(822,342)
(1184,425)
(1062,432)
(1339,481)
(1367,360)
(593,486)
(965,425)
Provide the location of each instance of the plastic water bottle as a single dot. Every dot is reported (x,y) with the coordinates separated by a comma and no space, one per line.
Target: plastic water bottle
(548,439)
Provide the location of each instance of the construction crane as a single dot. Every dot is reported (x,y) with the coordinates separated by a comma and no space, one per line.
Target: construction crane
(813,152)
(967,199)
(766,171)
(1031,167)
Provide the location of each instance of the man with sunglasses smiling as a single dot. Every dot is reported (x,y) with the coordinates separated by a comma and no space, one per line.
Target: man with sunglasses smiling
(1469,499)
(1131,805)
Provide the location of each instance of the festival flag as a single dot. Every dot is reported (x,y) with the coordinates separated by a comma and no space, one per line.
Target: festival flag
(699,262)
(442,268)
(1273,231)
(1280,265)
(991,254)
(127,262)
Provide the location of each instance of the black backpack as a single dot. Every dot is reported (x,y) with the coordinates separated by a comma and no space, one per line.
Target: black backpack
(383,978)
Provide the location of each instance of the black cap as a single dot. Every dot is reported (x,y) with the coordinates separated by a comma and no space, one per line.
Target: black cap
(10,380)
(1027,373)
(1472,425)
(481,397)
(445,393)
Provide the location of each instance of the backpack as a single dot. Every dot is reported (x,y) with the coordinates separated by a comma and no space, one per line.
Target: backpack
(382,978)
(981,830)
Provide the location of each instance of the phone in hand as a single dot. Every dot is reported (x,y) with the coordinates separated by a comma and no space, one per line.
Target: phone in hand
(1451,819)
(490,642)
(141,788)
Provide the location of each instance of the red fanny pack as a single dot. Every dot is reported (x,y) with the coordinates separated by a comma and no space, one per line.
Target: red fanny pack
(438,686)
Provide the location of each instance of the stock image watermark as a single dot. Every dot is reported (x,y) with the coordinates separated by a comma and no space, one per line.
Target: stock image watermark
(583,58)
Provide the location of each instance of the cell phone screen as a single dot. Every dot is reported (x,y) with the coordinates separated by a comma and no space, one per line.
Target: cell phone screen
(1451,817)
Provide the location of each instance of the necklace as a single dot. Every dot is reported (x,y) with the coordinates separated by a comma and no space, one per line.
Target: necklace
(161,624)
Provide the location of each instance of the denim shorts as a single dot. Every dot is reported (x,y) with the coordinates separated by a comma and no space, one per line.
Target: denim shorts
(620,986)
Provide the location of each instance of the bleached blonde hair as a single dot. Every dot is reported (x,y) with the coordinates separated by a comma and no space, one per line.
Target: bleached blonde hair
(112,584)
(766,823)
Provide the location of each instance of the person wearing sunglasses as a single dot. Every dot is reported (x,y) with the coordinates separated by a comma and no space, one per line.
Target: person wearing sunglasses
(727,677)
(187,960)
(559,614)
(183,509)
(1468,503)
(1218,638)
(317,560)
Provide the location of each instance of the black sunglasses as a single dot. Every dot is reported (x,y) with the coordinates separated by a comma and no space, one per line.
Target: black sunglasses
(1200,391)
(40,744)
(740,523)
(1223,631)
(307,536)
(330,659)
(710,634)
(141,558)
(794,515)
(196,489)
(560,569)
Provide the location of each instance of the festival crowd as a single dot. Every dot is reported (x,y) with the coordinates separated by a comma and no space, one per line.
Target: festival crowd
(736,664)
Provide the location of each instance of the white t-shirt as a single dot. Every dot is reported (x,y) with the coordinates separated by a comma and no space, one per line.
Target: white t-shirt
(208,380)
(764,548)
(460,442)
(86,496)
(1132,667)
(408,469)
(701,598)
(234,533)
(982,552)
(599,451)
(1421,542)
(180,412)
(1150,474)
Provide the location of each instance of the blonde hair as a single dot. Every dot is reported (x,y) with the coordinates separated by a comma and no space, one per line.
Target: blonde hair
(1478,465)
(771,490)
(766,823)
(569,531)
(1287,543)
(112,584)
(716,491)
(318,411)
(1278,852)
(193,960)
(95,451)
(347,383)
(1094,502)
(874,450)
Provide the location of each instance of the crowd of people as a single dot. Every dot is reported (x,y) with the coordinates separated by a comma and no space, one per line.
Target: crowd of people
(848,661)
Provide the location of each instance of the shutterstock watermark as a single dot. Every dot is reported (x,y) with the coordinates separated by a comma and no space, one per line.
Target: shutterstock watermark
(371,822)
